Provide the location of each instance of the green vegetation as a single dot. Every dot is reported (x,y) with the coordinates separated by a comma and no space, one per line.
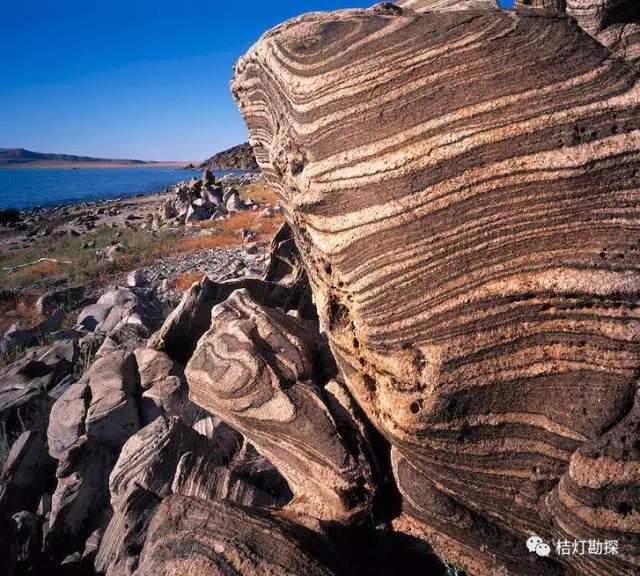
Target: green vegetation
(141,247)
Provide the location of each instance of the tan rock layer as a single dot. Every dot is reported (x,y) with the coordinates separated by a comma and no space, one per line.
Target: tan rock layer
(463,187)
(257,368)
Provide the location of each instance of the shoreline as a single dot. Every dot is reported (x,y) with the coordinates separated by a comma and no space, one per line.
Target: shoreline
(97,165)
(122,197)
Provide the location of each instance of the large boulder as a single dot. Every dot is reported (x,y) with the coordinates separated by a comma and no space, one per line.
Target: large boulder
(67,418)
(192,536)
(463,188)
(182,329)
(89,425)
(163,387)
(112,414)
(258,369)
(27,473)
(16,337)
(167,457)
(64,297)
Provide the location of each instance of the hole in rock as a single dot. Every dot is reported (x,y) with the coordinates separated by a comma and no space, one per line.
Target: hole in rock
(298,164)
(338,314)
(369,383)
(415,407)
(624,508)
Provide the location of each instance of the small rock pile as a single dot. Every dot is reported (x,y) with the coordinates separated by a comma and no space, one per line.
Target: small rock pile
(206,199)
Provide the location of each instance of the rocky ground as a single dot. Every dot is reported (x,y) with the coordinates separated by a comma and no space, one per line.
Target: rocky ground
(437,353)
(172,237)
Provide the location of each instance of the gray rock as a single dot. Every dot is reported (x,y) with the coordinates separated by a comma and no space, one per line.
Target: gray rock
(16,338)
(234,203)
(27,473)
(66,421)
(91,316)
(67,296)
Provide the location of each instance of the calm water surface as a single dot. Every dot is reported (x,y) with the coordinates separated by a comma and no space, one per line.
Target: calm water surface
(30,187)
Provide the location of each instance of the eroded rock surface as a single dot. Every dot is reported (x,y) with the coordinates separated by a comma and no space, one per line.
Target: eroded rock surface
(257,368)
(192,536)
(466,209)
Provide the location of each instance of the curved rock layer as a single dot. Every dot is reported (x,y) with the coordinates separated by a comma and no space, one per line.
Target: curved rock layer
(463,187)
(615,23)
(257,368)
(191,536)
(443,5)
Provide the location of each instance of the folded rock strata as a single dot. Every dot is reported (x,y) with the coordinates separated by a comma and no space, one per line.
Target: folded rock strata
(256,368)
(191,536)
(167,457)
(463,187)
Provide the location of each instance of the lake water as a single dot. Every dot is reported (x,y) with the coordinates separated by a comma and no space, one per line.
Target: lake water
(30,187)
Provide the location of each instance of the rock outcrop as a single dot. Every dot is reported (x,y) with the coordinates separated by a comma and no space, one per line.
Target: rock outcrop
(257,368)
(192,536)
(614,23)
(463,188)
(237,158)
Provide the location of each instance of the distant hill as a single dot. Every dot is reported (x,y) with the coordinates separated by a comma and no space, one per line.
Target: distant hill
(239,157)
(20,156)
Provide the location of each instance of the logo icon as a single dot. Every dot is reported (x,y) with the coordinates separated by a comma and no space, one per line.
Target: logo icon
(538,545)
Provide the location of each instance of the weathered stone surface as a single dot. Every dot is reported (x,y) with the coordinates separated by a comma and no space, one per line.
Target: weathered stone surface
(187,323)
(256,368)
(162,383)
(467,213)
(17,338)
(183,328)
(27,473)
(80,497)
(551,5)
(28,385)
(66,421)
(67,296)
(191,536)
(440,5)
(125,534)
(168,456)
(149,458)
(247,479)
(112,415)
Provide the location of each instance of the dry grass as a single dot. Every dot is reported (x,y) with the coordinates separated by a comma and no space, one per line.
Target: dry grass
(225,234)
(20,309)
(260,193)
(184,281)
(30,274)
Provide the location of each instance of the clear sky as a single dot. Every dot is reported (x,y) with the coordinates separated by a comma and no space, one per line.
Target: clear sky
(130,78)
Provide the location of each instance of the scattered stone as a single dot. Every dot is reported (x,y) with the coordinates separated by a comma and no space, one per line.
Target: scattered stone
(64,297)
(137,279)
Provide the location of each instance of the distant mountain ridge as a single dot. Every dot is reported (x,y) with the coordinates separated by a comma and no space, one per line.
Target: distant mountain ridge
(18,156)
(239,157)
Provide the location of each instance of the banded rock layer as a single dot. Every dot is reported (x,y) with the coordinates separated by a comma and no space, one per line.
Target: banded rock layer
(259,369)
(463,187)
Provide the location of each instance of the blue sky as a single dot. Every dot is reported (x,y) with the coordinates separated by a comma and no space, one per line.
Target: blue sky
(130,78)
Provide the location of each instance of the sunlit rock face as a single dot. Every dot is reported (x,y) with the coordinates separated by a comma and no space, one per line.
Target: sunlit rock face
(463,187)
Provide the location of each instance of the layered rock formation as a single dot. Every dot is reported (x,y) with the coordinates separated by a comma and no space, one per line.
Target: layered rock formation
(463,187)
(259,369)
(615,23)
